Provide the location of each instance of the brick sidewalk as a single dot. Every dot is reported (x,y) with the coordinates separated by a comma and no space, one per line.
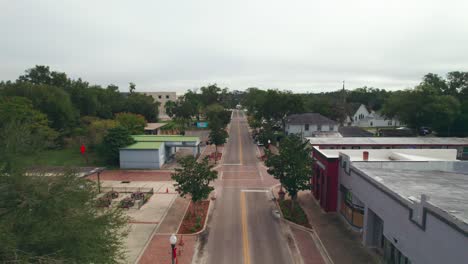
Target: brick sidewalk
(309,252)
(342,244)
(159,250)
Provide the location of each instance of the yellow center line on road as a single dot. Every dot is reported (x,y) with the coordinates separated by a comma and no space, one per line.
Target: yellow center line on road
(245,234)
(240,142)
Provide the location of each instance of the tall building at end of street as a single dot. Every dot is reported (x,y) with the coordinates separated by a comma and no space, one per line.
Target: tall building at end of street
(162,98)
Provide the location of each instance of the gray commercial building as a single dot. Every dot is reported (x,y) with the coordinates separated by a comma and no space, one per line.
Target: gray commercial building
(152,151)
(413,212)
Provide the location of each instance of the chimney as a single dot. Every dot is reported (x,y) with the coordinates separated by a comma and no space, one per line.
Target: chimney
(365,155)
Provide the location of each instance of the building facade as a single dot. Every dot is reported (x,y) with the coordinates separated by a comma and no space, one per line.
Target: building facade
(310,125)
(364,117)
(324,182)
(460,144)
(162,98)
(412,212)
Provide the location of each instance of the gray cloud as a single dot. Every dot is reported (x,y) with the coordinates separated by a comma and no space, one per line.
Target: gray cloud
(304,46)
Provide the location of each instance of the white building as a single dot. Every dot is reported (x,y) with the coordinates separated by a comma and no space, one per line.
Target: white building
(364,117)
(311,125)
(162,98)
(412,212)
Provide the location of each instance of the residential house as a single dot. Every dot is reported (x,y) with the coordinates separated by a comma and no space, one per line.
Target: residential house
(364,117)
(311,125)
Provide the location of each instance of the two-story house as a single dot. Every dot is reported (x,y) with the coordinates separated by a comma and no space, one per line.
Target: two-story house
(310,125)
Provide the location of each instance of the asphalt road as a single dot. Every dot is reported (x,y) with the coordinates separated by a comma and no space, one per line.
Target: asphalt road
(243,228)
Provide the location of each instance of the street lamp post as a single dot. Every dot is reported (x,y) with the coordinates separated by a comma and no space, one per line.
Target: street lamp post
(173,241)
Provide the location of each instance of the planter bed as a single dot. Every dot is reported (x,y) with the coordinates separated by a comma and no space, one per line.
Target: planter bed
(194,223)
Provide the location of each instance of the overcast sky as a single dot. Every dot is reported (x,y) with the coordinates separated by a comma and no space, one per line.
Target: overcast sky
(175,45)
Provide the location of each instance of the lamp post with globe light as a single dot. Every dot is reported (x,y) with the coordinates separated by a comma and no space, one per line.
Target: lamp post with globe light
(173,241)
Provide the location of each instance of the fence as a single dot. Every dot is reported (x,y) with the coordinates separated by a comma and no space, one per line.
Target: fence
(127,189)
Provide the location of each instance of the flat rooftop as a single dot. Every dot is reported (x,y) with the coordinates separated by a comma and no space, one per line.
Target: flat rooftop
(165,138)
(444,182)
(394,141)
(392,154)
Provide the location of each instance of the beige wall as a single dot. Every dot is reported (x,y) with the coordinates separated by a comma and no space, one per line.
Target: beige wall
(162,97)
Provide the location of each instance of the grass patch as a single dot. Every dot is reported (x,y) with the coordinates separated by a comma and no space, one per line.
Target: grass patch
(62,157)
(297,215)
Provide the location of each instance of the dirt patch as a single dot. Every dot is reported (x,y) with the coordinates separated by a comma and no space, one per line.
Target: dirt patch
(195,217)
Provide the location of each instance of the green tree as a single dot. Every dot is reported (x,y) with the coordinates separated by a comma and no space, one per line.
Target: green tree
(292,166)
(23,130)
(218,137)
(210,94)
(135,124)
(47,219)
(50,100)
(194,178)
(115,139)
(144,105)
(424,106)
(41,74)
(131,87)
(170,107)
(98,129)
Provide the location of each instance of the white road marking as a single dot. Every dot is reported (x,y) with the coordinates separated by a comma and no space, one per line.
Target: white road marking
(254,190)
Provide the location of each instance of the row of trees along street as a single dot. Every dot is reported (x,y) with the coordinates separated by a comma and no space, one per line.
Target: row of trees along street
(437,102)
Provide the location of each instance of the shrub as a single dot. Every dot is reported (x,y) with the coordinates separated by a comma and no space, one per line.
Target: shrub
(126,203)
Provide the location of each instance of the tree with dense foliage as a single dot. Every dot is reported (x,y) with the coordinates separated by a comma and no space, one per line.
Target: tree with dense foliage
(115,139)
(194,178)
(292,166)
(22,130)
(50,100)
(144,105)
(170,107)
(47,219)
(210,94)
(135,124)
(431,104)
(97,130)
(218,136)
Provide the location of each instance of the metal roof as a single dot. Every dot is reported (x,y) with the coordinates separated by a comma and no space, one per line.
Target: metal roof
(309,118)
(153,126)
(398,141)
(144,145)
(164,138)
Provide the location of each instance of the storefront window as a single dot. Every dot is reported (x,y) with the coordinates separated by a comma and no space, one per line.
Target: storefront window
(392,255)
(352,212)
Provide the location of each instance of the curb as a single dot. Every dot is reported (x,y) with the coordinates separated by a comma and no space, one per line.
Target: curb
(153,233)
(318,242)
(210,209)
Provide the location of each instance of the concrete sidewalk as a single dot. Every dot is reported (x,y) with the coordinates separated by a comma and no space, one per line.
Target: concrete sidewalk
(342,244)
(174,217)
(159,250)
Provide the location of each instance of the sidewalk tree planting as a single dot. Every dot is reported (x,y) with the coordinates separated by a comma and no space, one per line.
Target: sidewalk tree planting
(292,166)
(218,137)
(194,179)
